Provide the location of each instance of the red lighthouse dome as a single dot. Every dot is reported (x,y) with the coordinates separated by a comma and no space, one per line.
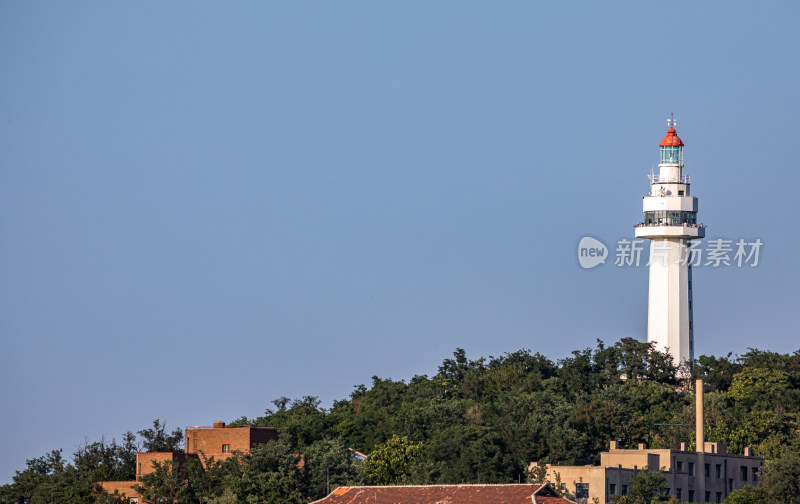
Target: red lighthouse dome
(672,139)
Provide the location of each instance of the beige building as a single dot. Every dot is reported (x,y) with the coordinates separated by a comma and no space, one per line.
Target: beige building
(720,474)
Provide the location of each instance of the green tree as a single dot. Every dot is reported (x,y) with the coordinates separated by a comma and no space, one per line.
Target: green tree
(389,463)
(179,483)
(464,453)
(301,421)
(162,485)
(36,472)
(268,474)
(51,479)
(717,372)
(780,480)
(226,497)
(329,464)
(747,495)
(759,388)
(126,457)
(48,479)
(101,461)
(157,439)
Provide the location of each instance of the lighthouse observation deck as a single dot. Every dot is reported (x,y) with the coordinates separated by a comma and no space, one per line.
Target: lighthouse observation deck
(667,231)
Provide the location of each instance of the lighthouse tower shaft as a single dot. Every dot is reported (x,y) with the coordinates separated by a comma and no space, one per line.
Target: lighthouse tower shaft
(670,222)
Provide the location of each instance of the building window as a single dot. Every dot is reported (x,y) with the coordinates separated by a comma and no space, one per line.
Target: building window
(719,471)
(679,493)
(755,474)
(691,468)
(691,495)
(708,497)
(581,490)
(719,497)
(730,484)
(624,489)
(680,466)
(612,488)
(226,448)
(708,470)
(744,473)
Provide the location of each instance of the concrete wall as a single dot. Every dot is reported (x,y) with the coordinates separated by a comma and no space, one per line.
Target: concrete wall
(671,202)
(570,476)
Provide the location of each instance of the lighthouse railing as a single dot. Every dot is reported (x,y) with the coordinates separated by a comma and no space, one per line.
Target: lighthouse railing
(658,179)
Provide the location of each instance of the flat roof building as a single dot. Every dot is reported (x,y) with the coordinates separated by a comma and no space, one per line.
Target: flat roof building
(720,474)
(219,441)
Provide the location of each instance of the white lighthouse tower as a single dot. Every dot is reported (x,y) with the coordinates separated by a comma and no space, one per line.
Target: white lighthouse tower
(670,222)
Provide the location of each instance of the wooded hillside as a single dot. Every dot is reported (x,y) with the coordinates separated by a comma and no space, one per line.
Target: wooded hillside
(473,421)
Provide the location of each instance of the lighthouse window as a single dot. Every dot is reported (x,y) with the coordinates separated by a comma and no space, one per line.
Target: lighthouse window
(669,218)
(671,155)
(673,218)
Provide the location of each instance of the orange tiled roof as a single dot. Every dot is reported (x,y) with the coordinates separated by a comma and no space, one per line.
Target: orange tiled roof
(444,494)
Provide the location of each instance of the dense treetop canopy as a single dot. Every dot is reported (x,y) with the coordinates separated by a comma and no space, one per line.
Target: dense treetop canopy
(474,421)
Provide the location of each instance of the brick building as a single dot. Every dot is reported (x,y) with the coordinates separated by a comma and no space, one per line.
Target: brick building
(451,494)
(125,488)
(219,441)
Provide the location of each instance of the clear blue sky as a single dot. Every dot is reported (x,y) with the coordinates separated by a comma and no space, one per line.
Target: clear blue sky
(206,206)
